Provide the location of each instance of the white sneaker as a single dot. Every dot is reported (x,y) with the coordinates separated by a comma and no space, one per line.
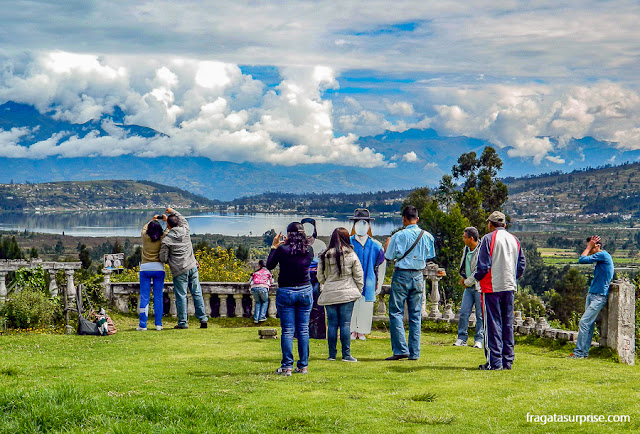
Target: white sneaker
(478,344)
(362,337)
(158,328)
(460,343)
(141,329)
(354,336)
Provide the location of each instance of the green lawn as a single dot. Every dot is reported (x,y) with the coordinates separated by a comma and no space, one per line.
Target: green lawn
(221,380)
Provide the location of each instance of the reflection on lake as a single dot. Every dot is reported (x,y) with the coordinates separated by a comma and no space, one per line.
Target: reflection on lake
(129,223)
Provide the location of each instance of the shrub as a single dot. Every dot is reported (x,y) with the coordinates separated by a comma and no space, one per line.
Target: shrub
(529,303)
(30,308)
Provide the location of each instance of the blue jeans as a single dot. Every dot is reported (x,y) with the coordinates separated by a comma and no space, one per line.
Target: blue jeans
(190,280)
(294,306)
(406,285)
(261,296)
(593,306)
(146,277)
(470,298)
(339,315)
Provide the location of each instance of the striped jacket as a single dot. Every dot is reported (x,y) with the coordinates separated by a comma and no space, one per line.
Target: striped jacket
(500,262)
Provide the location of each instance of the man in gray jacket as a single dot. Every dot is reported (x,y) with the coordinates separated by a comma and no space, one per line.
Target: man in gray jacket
(177,251)
(471,295)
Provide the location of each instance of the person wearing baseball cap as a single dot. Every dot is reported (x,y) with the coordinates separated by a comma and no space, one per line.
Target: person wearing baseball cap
(500,263)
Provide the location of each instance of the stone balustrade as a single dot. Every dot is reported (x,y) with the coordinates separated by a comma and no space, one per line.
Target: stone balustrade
(617,329)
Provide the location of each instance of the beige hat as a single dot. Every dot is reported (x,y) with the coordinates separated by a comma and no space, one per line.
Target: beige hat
(497,217)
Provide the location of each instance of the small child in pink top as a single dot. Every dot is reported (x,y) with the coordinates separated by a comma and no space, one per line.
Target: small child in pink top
(260,282)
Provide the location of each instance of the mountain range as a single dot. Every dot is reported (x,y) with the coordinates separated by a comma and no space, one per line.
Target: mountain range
(223,180)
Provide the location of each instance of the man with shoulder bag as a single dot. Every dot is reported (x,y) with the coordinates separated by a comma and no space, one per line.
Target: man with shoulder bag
(409,248)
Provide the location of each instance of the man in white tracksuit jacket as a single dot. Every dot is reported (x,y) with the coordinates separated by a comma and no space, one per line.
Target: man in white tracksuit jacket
(500,263)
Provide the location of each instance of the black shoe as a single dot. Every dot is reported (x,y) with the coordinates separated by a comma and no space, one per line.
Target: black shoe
(203,324)
(181,327)
(398,357)
(487,367)
(414,358)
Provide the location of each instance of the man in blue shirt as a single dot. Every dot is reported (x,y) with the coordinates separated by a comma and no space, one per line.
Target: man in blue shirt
(409,248)
(597,296)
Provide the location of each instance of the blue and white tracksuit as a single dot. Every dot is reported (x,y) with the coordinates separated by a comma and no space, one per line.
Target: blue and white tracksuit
(500,263)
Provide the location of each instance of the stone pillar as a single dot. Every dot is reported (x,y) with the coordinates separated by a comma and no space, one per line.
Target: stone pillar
(106,284)
(472,318)
(191,308)
(272,310)
(207,303)
(434,298)
(172,304)
(121,302)
(238,311)
(618,328)
(71,290)
(53,286)
(517,318)
(382,307)
(448,312)
(223,305)
(541,326)
(3,286)
(424,312)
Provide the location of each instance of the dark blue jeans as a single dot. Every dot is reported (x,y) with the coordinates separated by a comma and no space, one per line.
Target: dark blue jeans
(339,315)
(294,306)
(406,285)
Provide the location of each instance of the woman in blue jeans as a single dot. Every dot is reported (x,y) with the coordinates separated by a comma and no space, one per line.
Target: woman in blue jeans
(151,270)
(294,297)
(342,279)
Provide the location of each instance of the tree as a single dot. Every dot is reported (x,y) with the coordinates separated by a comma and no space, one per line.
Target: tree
(268,236)
(33,253)
(242,253)
(85,256)
(481,192)
(566,300)
(59,249)
(134,259)
(117,248)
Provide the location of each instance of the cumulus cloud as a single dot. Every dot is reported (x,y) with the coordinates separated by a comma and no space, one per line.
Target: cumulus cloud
(204,108)
(410,157)
(402,108)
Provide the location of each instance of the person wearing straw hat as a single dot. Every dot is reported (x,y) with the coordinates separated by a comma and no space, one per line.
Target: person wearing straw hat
(371,256)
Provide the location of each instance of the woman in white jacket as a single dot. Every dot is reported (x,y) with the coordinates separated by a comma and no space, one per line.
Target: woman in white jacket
(342,279)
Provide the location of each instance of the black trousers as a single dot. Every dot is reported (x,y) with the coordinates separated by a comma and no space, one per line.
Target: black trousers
(497,308)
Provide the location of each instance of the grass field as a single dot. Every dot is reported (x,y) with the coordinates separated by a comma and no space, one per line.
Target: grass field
(221,380)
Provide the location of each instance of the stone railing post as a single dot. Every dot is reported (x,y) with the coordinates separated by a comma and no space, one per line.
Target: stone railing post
(618,328)
(106,284)
(433,273)
(223,305)
(3,286)
(53,286)
(172,304)
(207,303)
(272,310)
(71,290)
(382,306)
(253,306)
(238,312)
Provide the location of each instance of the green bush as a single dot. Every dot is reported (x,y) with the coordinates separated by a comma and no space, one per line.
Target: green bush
(30,308)
(529,304)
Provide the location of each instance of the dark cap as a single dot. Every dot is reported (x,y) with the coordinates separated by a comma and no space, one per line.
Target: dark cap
(361,214)
(497,217)
(295,227)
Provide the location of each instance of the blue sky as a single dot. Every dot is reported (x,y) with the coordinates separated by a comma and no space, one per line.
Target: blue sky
(289,82)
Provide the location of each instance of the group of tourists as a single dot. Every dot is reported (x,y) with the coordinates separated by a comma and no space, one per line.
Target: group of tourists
(349,274)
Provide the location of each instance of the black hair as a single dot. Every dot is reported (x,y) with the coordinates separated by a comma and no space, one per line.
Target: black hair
(261,263)
(297,239)
(598,243)
(173,221)
(339,243)
(154,230)
(498,224)
(472,233)
(410,213)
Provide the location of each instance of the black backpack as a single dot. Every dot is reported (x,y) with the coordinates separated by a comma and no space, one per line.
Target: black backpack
(85,326)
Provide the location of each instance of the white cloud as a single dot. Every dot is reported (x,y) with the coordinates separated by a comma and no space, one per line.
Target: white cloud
(205,108)
(402,108)
(555,159)
(410,157)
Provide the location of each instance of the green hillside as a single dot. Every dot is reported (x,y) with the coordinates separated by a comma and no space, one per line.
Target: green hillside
(610,193)
(95,195)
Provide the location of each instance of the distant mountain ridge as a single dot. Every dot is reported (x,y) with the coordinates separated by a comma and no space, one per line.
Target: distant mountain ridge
(221,180)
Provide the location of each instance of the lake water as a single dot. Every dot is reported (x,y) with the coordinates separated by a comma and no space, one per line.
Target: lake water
(129,223)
